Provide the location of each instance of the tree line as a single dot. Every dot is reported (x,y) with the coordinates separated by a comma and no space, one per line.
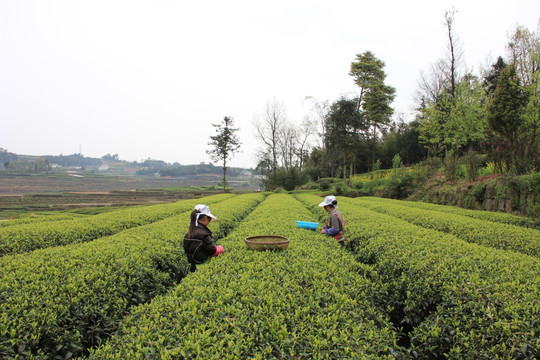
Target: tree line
(491,116)
(20,164)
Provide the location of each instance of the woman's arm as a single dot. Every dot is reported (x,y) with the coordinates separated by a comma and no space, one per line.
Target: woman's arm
(209,246)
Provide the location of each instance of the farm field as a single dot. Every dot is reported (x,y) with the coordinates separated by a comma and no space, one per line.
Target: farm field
(61,182)
(24,194)
(412,283)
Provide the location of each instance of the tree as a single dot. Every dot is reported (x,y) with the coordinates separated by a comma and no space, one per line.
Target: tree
(492,77)
(317,165)
(375,96)
(402,139)
(343,126)
(319,110)
(431,85)
(287,139)
(305,131)
(505,115)
(467,118)
(437,95)
(270,127)
(524,55)
(454,55)
(225,144)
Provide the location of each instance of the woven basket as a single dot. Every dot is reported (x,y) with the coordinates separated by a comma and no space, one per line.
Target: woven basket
(267,242)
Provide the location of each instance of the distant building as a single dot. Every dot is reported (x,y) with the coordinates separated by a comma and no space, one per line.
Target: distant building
(246,174)
(103,167)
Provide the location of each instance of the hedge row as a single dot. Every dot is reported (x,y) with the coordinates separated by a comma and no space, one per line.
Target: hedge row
(58,302)
(455,300)
(28,237)
(487,233)
(503,218)
(310,301)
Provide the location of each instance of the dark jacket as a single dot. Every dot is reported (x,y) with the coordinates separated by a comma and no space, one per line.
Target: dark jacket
(199,247)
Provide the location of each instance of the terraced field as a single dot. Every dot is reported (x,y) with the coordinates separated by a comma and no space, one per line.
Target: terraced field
(412,283)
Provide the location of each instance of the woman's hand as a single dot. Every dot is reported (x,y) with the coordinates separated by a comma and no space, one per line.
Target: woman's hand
(219,250)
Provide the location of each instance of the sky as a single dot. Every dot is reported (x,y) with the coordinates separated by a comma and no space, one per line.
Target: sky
(147,79)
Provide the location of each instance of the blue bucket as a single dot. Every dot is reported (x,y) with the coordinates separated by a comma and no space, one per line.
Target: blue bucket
(307,225)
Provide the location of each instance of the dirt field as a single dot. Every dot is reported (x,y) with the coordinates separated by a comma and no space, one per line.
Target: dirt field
(20,193)
(19,185)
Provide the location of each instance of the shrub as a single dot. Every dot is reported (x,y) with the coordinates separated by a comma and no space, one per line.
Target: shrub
(400,185)
(451,167)
(325,183)
(396,162)
(432,165)
(377,165)
(473,161)
(489,169)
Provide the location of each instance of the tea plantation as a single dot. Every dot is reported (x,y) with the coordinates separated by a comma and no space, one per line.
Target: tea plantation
(414,282)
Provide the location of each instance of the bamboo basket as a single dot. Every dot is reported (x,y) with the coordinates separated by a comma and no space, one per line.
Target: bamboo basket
(267,242)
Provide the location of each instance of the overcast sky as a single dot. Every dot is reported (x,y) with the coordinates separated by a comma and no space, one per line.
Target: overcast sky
(146,79)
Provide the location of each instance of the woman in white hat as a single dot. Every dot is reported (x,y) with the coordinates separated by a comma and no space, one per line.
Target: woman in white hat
(198,244)
(335,226)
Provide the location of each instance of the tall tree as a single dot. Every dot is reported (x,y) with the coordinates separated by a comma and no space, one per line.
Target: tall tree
(505,114)
(319,111)
(287,142)
(438,92)
(224,144)
(492,76)
(375,96)
(306,130)
(467,121)
(269,129)
(524,53)
(343,126)
(454,55)
(402,139)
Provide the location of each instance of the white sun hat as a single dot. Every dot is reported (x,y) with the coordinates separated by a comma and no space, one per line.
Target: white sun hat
(328,201)
(204,210)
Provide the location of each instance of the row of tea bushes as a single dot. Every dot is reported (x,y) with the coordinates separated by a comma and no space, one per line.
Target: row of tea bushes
(28,237)
(455,299)
(487,233)
(310,301)
(503,218)
(59,301)
(41,217)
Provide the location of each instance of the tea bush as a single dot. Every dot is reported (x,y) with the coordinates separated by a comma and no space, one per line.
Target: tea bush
(31,236)
(454,299)
(311,301)
(503,218)
(59,301)
(503,236)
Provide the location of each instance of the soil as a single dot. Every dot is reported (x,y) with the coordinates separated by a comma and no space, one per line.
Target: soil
(23,193)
